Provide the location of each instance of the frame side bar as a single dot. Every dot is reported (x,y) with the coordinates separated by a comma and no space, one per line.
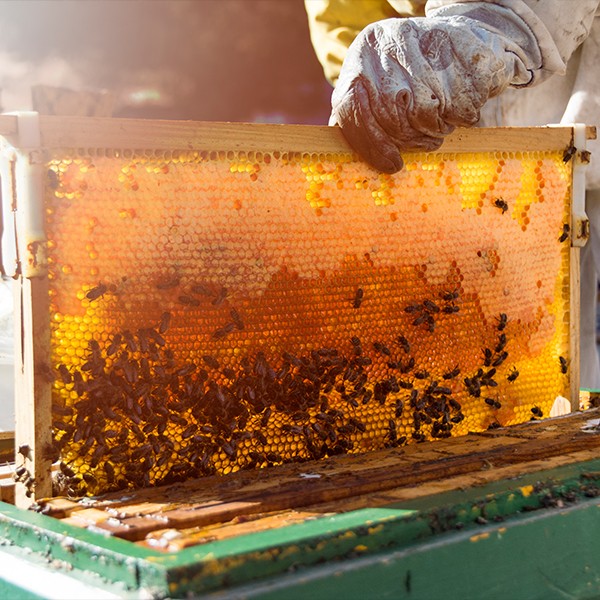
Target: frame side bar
(33,375)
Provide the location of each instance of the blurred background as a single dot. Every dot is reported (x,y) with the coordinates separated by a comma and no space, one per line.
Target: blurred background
(208,60)
(214,60)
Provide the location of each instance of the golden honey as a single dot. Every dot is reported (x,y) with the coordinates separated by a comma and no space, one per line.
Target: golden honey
(226,310)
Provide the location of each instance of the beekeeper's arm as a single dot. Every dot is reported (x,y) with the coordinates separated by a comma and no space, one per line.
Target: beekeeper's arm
(584,104)
(407,82)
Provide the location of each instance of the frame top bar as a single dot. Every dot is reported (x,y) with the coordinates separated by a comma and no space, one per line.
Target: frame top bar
(138,134)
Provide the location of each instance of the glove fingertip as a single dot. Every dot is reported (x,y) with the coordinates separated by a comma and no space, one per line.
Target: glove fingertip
(353,112)
(390,163)
(388,160)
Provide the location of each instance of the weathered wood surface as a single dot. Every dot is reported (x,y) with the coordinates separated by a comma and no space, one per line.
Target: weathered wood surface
(336,485)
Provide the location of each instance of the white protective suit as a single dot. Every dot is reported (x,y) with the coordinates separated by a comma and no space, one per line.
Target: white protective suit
(407,82)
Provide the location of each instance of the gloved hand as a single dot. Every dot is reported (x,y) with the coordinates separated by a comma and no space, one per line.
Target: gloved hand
(406,83)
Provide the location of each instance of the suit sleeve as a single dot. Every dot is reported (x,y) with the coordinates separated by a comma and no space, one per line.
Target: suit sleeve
(559,26)
(584,104)
(334,24)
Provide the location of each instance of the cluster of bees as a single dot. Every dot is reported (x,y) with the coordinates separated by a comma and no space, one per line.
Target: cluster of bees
(426,311)
(135,416)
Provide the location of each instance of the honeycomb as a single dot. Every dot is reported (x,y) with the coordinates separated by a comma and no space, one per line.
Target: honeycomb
(217,311)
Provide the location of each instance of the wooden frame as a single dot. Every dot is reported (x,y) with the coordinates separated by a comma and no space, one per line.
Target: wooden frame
(33,436)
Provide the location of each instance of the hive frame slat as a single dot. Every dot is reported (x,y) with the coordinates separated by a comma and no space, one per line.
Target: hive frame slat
(574,326)
(33,387)
(99,132)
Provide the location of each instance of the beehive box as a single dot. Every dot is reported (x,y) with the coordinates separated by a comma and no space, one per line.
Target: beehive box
(349,526)
(205,298)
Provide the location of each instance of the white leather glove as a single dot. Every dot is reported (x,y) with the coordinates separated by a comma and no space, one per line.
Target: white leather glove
(406,83)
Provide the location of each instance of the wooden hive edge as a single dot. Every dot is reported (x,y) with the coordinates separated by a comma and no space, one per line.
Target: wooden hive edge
(346,483)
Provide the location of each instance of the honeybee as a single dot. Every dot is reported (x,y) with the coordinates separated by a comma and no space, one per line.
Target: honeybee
(223,331)
(24,450)
(513,374)
(473,386)
(411,308)
(501,204)
(502,322)
(188,300)
(65,374)
(563,364)
(367,395)
(235,316)
(430,324)
(399,409)
(406,367)
(167,282)
(188,431)
(97,292)
(404,343)
(358,298)
(379,347)
(449,296)
(229,373)
(454,404)
(273,457)
(451,374)
(114,345)
(260,437)
(265,417)
(201,289)
(501,342)
(63,411)
(569,153)
(130,341)
(450,309)
(500,359)
(419,320)
(392,432)
(358,424)
(89,479)
(444,391)
(431,306)
(487,357)
(211,361)
(110,472)
(220,297)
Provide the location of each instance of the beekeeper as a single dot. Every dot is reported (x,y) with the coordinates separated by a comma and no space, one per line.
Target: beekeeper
(407,72)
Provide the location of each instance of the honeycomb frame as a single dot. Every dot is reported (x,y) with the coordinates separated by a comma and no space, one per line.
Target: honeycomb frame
(295,398)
